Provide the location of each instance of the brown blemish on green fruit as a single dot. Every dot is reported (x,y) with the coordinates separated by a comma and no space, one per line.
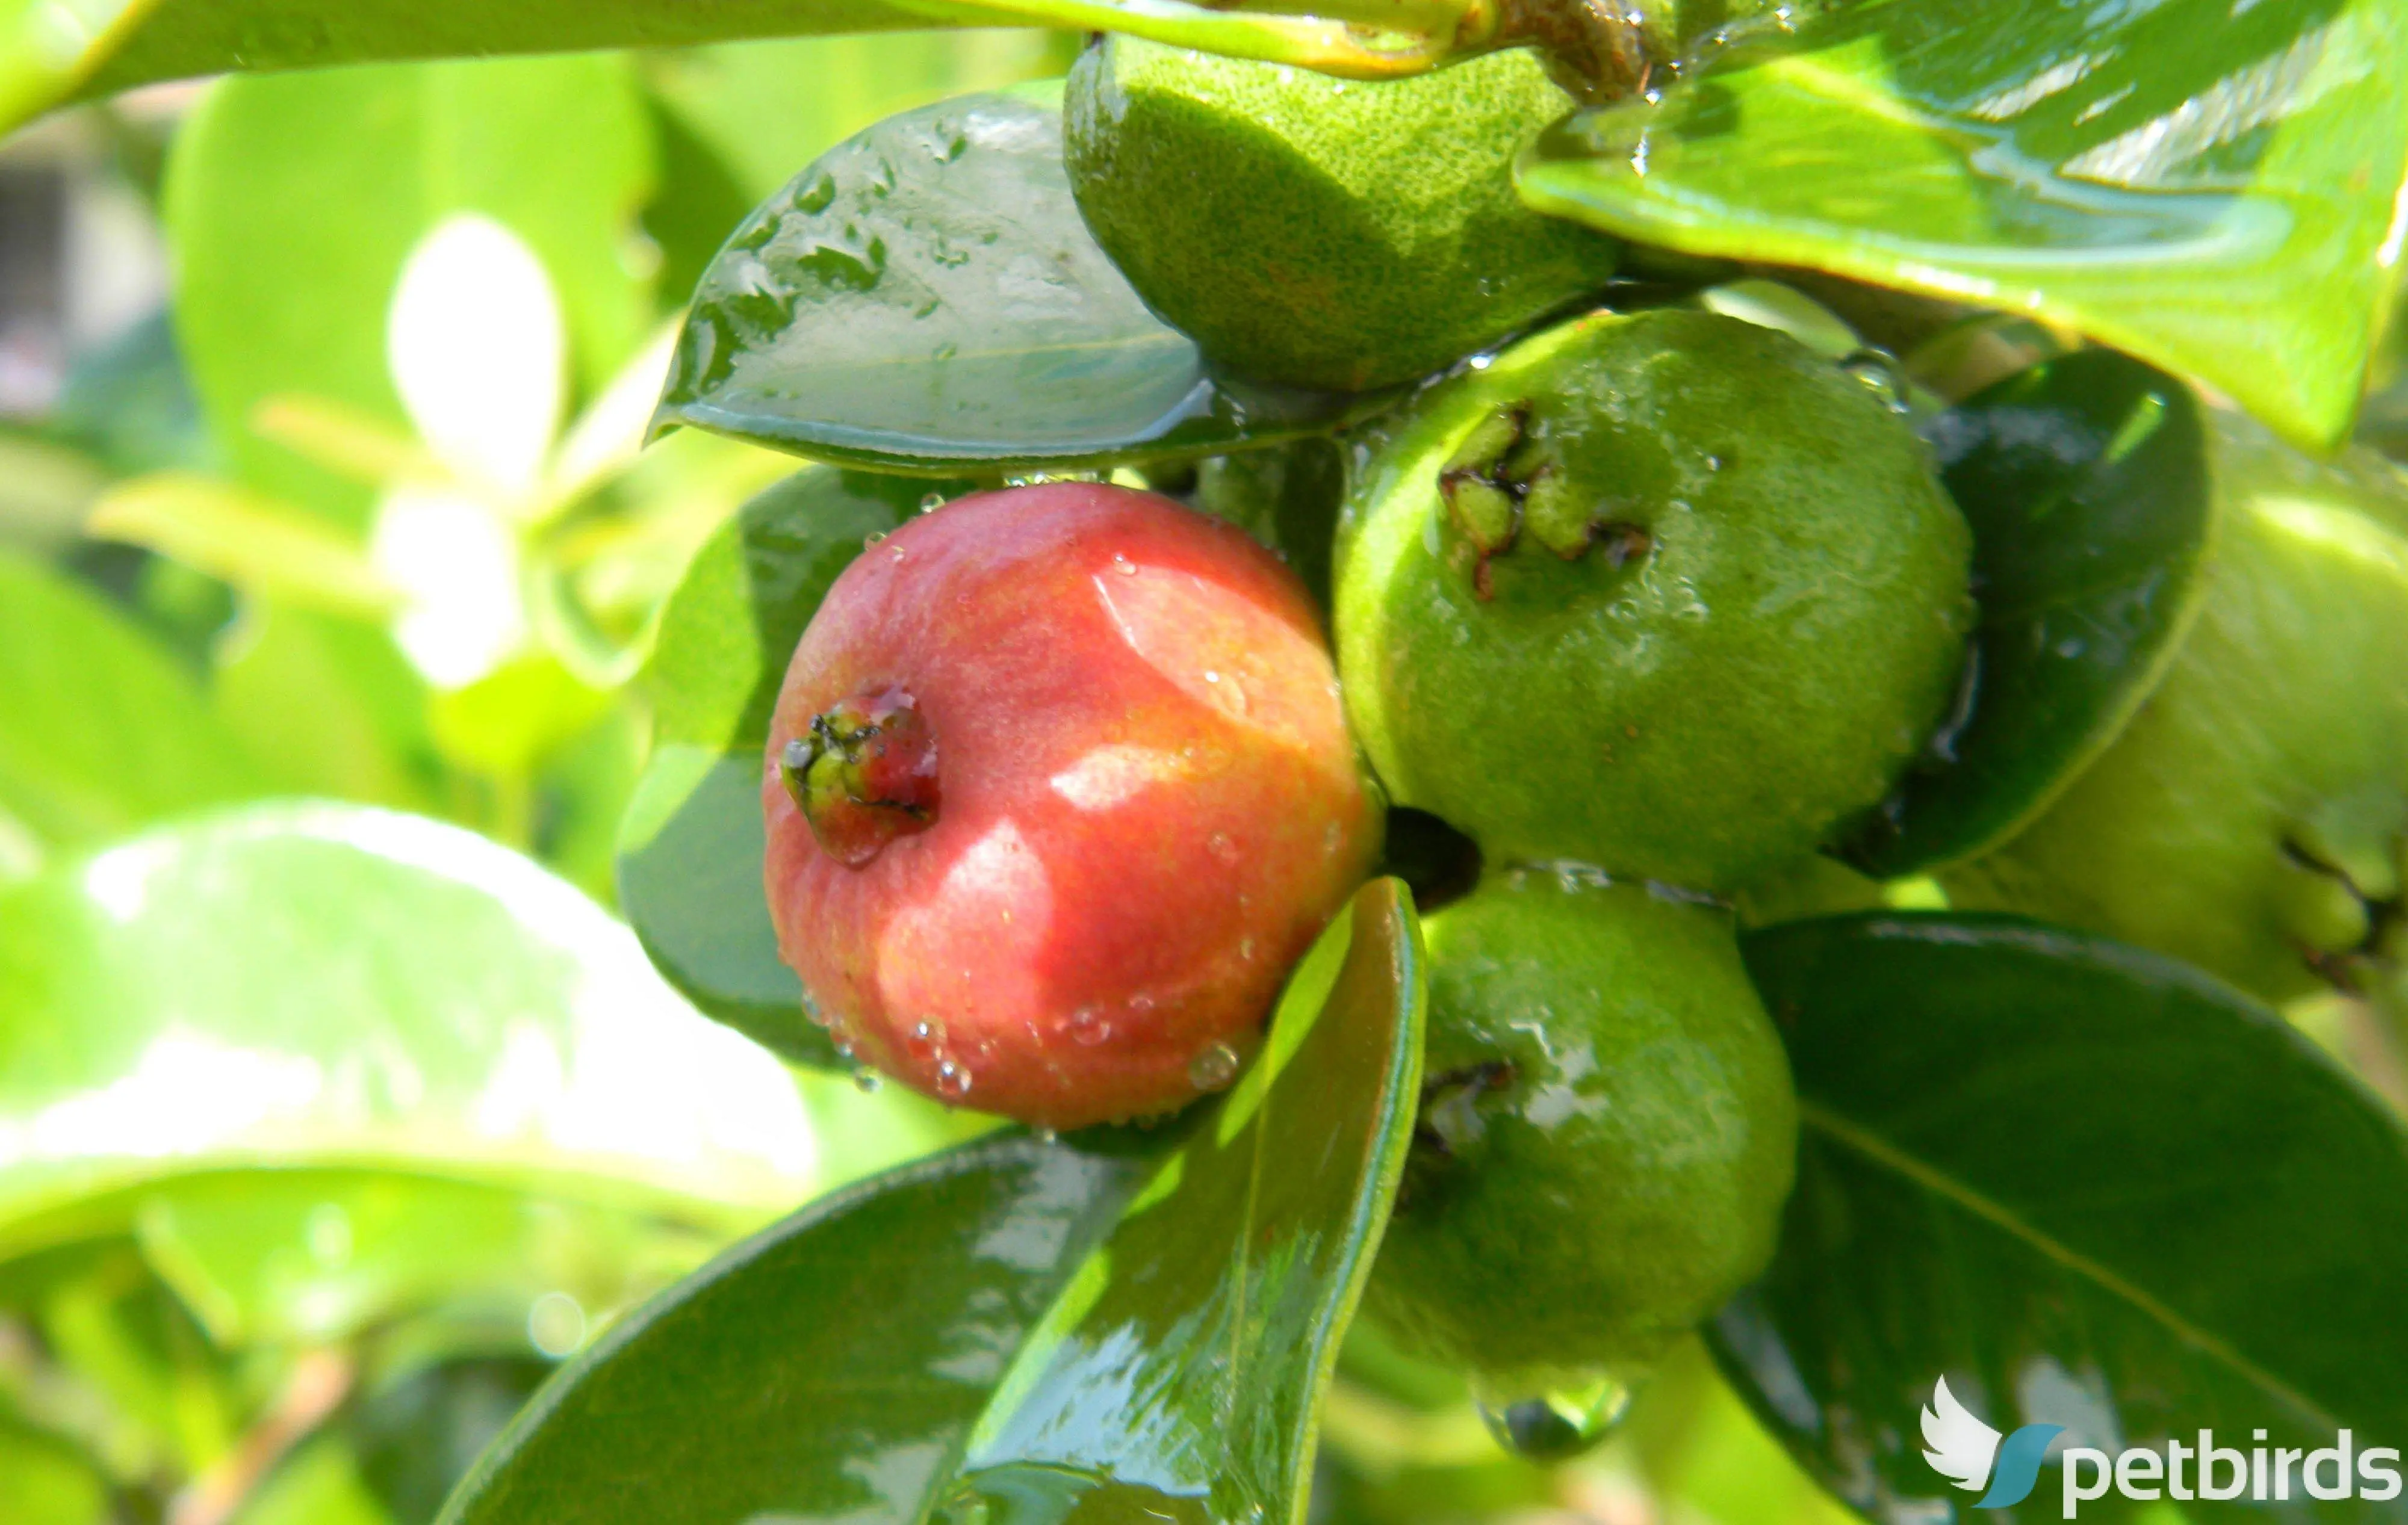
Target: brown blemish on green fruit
(1501,481)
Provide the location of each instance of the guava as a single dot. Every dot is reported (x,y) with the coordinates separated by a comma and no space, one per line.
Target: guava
(1663,593)
(2251,816)
(1606,1138)
(1059,789)
(1316,232)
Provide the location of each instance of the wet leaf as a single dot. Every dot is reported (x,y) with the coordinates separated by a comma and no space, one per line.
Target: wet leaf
(100,730)
(432,1003)
(926,297)
(1108,1323)
(1181,1370)
(49,54)
(831,1364)
(2208,186)
(2086,482)
(691,849)
(2089,1186)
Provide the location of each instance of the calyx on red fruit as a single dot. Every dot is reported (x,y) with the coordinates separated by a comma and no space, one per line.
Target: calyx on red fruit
(1059,787)
(866,774)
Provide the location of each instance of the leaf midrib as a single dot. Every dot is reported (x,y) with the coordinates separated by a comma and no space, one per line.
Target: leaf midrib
(1884,1153)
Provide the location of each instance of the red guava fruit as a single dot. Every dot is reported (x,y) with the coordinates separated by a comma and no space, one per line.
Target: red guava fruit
(1059,787)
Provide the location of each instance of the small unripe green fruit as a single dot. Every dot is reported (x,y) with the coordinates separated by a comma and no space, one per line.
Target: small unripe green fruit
(2253,814)
(1665,592)
(1317,232)
(1607,1134)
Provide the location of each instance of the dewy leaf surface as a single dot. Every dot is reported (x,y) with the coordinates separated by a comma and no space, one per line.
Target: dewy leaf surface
(2210,186)
(2086,482)
(1109,1323)
(439,1004)
(926,297)
(1180,1375)
(2088,1185)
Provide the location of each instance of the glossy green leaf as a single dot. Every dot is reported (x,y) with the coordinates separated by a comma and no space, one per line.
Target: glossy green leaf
(855,316)
(1099,1325)
(50,52)
(1181,1372)
(2086,482)
(292,202)
(319,985)
(100,730)
(2209,186)
(691,849)
(736,119)
(830,1365)
(2089,1186)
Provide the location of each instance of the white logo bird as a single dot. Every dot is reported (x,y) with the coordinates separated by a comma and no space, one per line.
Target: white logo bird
(1961,1447)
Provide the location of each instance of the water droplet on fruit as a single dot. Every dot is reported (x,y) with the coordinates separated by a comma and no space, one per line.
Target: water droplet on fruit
(931,502)
(1560,1425)
(1122,566)
(871,539)
(1211,677)
(1222,848)
(1088,1028)
(1140,1003)
(895,554)
(1878,373)
(1046,1136)
(928,1037)
(867,1081)
(1213,1069)
(952,1079)
(1245,950)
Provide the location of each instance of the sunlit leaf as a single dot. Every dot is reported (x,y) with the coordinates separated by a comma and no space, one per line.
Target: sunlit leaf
(100,730)
(44,1482)
(2089,1186)
(437,1004)
(294,203)
(1180,1374)
(245,538)
(53,51)
(2209,186)
(855,316)
(1108,1322)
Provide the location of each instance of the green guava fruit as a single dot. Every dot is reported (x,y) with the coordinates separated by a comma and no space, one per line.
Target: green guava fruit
(1317,232)
(2250,817)
(1663,593)
(1606,1138)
